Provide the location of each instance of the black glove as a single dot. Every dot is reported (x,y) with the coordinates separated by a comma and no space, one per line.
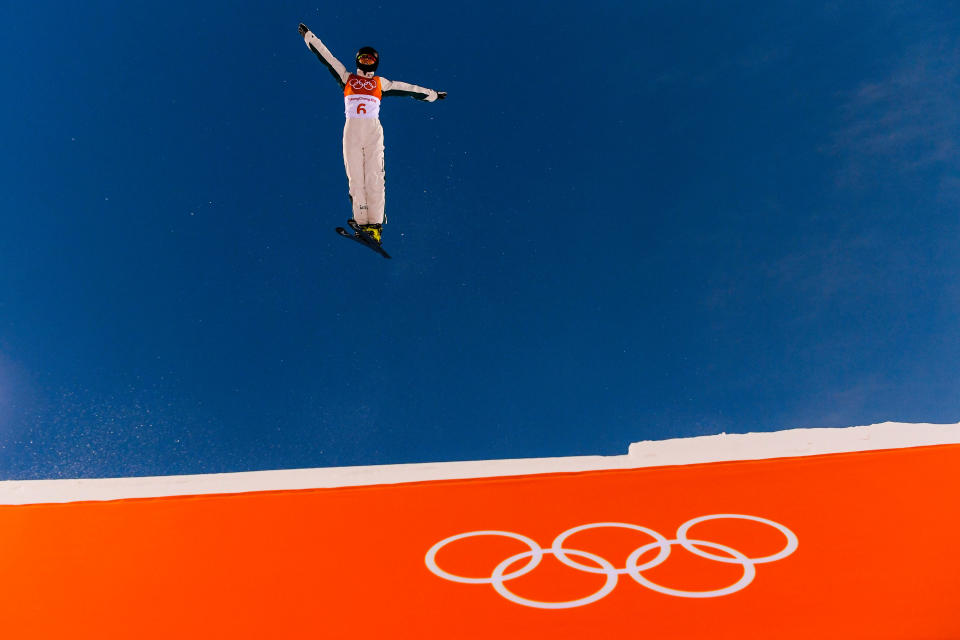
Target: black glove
(303,29)
(441,95)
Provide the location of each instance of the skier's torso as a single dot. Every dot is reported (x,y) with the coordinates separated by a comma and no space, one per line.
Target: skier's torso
(361,97)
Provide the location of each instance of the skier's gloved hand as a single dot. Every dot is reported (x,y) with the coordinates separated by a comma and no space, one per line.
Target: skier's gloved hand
(303,29)
(441,95)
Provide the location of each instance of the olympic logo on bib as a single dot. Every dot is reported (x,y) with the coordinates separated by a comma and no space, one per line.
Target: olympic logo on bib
(602,566)
(359,83)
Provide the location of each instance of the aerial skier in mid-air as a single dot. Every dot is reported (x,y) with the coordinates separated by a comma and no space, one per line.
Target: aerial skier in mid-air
(363,135)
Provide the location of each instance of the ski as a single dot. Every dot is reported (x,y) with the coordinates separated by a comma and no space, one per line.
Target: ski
(361,236)
(367,238)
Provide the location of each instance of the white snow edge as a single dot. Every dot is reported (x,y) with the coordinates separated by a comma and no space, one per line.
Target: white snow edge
(681,451)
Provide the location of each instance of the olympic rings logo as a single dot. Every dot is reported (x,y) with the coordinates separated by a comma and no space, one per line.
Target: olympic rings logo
(360,83)
(501,575)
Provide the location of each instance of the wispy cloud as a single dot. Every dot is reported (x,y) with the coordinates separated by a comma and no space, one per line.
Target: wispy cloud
(908,121)
(822,271)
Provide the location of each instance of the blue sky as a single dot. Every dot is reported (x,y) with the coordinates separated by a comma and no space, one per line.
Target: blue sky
(629,221)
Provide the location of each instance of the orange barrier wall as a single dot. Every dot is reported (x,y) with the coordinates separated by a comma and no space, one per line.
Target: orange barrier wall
(860,545)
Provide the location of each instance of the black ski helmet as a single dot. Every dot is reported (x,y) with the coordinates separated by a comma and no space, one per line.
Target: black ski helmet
(368,51)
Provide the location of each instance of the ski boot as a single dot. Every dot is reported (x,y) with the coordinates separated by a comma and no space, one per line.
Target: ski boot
(375,231)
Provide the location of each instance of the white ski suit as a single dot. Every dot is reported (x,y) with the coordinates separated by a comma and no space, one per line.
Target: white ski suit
(362,133)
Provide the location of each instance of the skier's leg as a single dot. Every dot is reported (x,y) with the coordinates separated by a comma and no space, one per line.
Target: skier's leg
(374,177)
(353,163)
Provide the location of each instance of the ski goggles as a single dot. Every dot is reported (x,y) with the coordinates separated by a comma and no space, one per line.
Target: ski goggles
(366,58)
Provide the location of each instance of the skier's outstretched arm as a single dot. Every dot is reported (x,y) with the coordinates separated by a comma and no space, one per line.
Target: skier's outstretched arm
(335,67)
(394,88)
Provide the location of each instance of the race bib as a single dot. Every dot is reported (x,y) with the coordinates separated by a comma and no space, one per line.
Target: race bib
(361,106)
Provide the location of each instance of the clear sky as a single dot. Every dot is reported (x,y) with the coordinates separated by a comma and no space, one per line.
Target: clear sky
(628,221)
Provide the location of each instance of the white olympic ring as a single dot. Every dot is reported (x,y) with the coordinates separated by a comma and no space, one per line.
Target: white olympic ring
(749,570)
(560,553)
(498,579)
(605,567)
(535,557)
(359,83)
